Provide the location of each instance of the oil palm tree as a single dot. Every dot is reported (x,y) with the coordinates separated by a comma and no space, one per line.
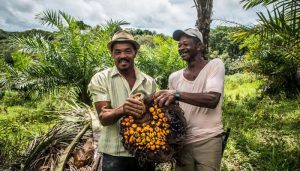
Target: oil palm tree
(283,21)
(68,58)
(277,55)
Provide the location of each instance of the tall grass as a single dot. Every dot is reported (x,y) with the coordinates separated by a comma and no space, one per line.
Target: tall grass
(265,131)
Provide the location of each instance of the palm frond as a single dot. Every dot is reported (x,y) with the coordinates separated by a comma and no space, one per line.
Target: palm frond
(50,18)
(247,4)
(37,79)
(280,22)
(31,45)
(53,149)
(70,58)
(63,159)
(68,18)
(114,26)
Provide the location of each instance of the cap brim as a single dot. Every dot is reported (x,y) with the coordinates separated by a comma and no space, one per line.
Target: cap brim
(177,34)
(136,44)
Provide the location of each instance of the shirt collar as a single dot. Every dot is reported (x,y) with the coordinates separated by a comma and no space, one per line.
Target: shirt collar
(138,73)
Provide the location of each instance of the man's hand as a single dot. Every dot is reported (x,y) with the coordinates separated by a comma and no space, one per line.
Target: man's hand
(164,97)
(134,107)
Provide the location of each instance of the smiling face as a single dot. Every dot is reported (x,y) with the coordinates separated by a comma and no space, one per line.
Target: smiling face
(189,48)
(123,54)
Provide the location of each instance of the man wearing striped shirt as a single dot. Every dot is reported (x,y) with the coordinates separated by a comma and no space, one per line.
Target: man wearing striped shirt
(111,92)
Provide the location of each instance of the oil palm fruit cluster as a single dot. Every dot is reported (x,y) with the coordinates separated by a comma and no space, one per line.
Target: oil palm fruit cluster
(158,138)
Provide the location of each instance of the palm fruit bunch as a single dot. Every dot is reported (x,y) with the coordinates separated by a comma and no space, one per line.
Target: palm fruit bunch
(159,137)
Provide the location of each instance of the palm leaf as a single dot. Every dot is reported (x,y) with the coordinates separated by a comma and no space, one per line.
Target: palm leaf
(63,159)
(68,18)
(50,18)
(69,59)
(52,150)
(252,3)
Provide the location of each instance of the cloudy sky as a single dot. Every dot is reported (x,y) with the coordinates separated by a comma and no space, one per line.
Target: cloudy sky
(163,16)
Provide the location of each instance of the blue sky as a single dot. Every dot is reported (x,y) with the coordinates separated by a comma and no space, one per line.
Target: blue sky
(162,16)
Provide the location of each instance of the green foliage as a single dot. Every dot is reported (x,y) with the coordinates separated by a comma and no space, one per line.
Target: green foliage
(252,3)
(274,46)
(159,58)
(18,126)
(7,43)
(71,58)
(22,120)
(141,32)
(221,44)
(281,71)
(12,98)
(21,60)
(265,131)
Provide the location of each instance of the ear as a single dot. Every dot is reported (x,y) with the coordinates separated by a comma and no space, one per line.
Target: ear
(200,46)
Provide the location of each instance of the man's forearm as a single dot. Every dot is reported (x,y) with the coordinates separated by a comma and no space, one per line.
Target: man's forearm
(207,100)
(110,116)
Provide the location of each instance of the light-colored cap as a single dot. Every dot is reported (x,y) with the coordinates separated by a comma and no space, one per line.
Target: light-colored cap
(123,36)
(190,32)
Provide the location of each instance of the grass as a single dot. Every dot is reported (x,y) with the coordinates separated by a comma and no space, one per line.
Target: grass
(18,126)
(21,121)
(265,131)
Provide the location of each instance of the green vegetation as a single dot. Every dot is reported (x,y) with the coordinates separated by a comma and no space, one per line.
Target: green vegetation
(44,71)
(265,131)
(274,46)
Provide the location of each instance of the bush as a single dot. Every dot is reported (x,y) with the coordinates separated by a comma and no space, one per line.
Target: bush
(12,98)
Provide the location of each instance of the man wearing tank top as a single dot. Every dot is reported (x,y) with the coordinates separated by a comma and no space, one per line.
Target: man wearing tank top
(199,89)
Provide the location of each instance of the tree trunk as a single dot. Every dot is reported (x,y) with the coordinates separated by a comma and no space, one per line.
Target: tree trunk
(204,12)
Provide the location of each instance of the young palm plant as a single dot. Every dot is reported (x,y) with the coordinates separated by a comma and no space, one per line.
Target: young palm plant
(70,145)
(277,36)
(69,57)
(282,22)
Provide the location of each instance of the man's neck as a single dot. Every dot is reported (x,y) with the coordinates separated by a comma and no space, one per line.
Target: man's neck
(194,67)
(197,63)
(129,75)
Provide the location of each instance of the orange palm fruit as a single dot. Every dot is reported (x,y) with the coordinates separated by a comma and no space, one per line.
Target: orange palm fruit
(151,109)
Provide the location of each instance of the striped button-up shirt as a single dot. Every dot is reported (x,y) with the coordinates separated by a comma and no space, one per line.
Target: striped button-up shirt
(110,85)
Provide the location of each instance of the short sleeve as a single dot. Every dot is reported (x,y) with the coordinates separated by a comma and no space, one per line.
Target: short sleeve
(215,79)
(173,79)
(98,88)
(154,86)
(171,83)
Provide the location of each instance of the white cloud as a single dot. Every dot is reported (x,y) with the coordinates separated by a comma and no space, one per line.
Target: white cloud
(232,10)
(163,16)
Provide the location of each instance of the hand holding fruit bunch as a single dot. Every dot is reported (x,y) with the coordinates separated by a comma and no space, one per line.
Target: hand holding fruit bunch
(149,135)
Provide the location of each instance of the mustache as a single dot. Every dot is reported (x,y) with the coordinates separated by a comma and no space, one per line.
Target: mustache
(124,59)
